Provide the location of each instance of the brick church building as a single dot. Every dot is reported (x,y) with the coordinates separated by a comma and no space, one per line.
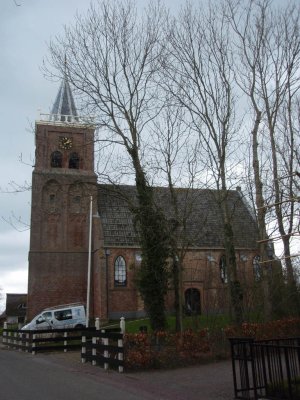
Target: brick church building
(67,200)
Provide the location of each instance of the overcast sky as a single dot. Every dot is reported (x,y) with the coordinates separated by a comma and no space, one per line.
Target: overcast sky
(26,26)
(24,33)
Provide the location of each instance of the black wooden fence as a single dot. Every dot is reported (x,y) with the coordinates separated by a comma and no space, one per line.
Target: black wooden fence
(103,348)
(43,340)
(266,369)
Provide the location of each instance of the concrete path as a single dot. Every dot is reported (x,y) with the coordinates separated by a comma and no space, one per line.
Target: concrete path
(211,381)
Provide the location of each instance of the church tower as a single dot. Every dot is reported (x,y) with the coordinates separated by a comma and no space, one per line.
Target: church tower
(63,180)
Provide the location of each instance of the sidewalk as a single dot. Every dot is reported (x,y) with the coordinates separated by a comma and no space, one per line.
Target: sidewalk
(211,381)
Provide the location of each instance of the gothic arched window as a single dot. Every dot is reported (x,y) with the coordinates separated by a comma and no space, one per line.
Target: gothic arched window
(223,269)
(120,271)
(257,269)
(74,161)
(56,159)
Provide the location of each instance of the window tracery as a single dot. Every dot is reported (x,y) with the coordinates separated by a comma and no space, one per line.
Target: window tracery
(120,272)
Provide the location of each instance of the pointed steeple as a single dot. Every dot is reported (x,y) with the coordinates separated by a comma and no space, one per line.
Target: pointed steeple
(64,106)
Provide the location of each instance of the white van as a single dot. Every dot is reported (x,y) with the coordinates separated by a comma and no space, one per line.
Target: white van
(64,316)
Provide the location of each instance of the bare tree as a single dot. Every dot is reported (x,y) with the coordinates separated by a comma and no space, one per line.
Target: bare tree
(175,161)
(267,41)
(196,67)
(200,78)
(111,56)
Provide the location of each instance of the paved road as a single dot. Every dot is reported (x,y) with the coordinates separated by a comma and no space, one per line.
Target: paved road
(63,377)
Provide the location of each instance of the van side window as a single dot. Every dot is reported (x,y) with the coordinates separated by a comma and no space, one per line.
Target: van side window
(63,314)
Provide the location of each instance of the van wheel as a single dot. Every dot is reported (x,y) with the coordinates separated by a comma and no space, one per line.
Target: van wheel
(79,326)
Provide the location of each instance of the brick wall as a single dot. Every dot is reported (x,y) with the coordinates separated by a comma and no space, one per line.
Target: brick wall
(56,278)
(201,272)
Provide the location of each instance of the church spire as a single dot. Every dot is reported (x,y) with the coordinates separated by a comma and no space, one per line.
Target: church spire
(64,106)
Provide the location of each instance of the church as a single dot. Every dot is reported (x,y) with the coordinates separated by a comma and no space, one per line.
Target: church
(83,245)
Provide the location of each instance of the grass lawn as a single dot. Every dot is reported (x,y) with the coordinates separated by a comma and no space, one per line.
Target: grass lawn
(189,322)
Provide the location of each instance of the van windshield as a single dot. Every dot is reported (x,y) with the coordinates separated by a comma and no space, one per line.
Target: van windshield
(46,316)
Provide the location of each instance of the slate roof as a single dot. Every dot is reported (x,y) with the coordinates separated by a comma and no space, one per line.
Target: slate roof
(16,304)
(197,206)
(64,103)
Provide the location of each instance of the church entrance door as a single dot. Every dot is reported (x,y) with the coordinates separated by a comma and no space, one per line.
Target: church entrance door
(192,301)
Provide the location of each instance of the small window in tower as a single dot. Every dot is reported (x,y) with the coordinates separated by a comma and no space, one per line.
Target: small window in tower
(52,198)
(74,161)
(76,199)
(56,159)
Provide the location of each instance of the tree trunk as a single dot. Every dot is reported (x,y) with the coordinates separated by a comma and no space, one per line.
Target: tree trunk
(151,227)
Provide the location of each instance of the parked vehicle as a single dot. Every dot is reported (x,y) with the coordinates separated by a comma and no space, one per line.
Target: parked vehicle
(63,316)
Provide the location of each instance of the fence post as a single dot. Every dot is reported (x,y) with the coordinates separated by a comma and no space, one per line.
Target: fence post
(106,354)
(94,350)
(9,341)
(122,325)
(20,340)
(65,342)
(120,355)
(15,340)
(233,347)
(27,337)
(288,372)
(4,334)
(95,340)
(33,344)
(298,351)
(83,349)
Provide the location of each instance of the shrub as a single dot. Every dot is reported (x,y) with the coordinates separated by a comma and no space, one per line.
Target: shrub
(164,349)
(284,328)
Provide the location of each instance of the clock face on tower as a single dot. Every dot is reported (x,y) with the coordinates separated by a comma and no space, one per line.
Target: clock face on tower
(65,143)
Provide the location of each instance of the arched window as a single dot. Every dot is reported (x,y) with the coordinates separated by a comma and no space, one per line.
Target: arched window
(56,159)
(257,269)
(74,161)
(223,269)
(120,271)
